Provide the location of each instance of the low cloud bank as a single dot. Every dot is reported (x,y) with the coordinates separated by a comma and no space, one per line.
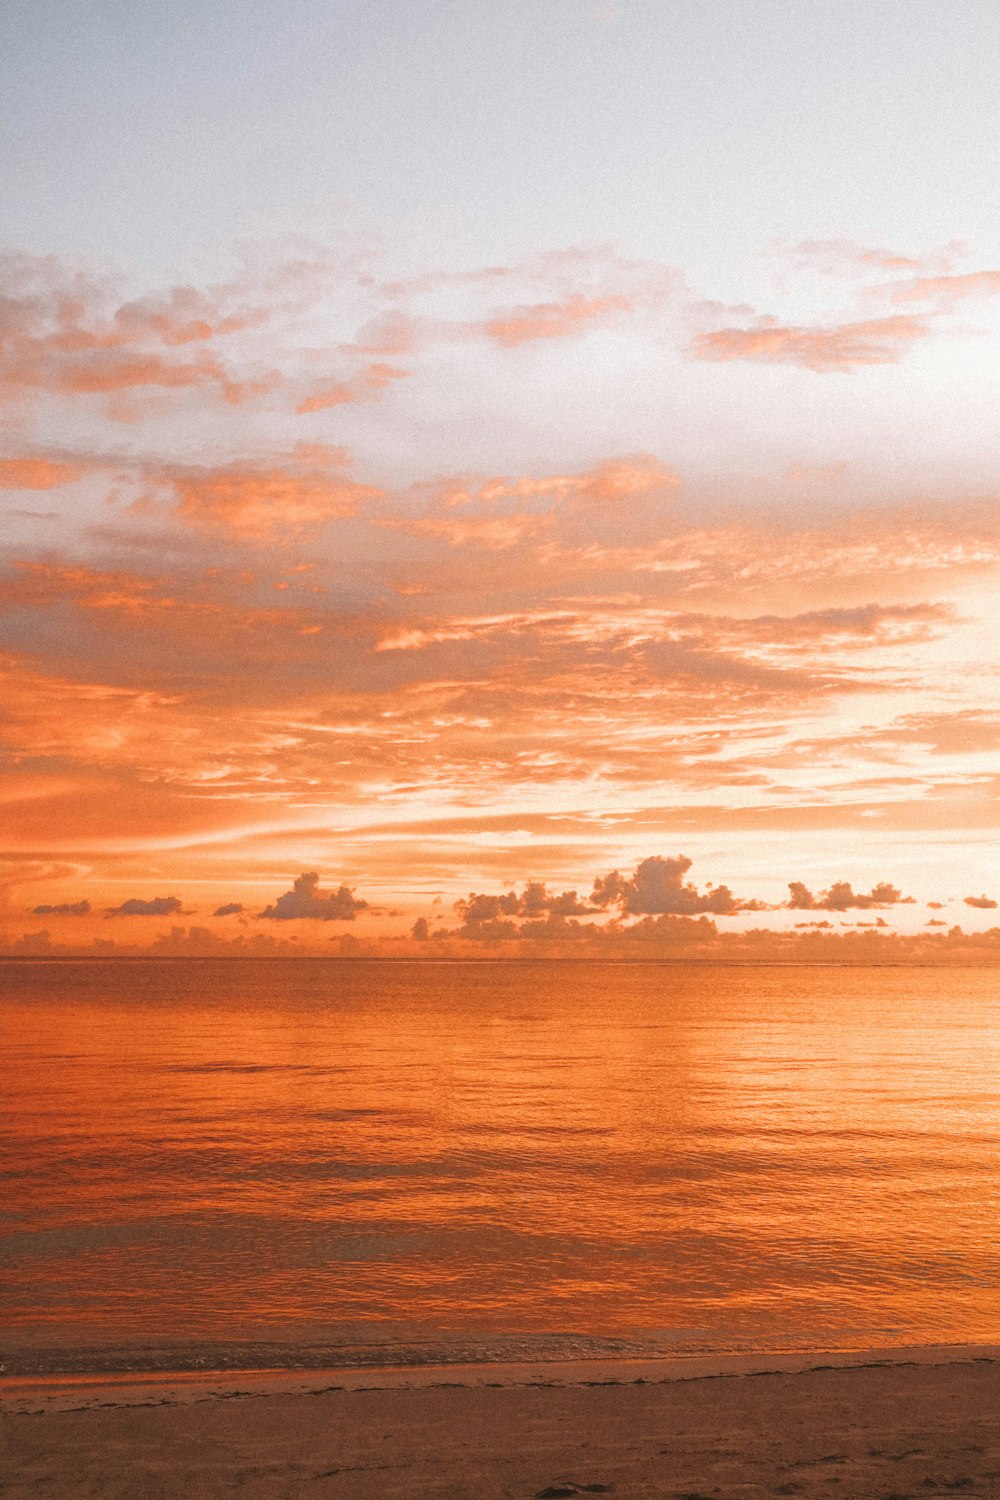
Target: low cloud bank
(663,938)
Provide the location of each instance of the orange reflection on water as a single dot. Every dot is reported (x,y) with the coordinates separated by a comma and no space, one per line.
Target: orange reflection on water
(341,1152)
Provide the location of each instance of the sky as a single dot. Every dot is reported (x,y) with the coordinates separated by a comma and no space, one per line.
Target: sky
(484,476)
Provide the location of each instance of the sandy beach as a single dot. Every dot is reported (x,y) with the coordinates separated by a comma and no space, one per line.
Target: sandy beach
(906,1423)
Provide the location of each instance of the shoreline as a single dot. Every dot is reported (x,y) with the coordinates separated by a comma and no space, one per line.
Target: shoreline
(21,1395)
(918,1422)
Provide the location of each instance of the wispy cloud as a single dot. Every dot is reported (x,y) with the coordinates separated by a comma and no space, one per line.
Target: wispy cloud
(838,347)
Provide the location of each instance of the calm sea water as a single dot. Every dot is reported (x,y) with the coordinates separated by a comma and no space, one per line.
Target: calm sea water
(288,1162)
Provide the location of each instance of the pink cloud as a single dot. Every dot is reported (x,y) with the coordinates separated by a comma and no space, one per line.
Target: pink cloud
(843,346)
(288,499)
(36,473)
(835,256)
(60,332)
(554,320)
(944,291)
(367,385)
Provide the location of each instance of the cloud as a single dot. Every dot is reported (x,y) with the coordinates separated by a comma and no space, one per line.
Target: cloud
(508,511)
(835,256)
(534,901)
(554,320)
(291,499)
(982,903)
(63,909)
(306,900)
(183,315)
(657,889)
(159,906)
(843,346)
(367,384)
(536,914)
(944,291)
(36,474)
(231,909)
(65,332)
(587,286)
(841,897)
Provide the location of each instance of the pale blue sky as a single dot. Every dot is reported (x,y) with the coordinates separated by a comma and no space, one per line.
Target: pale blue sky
(165,141)
(151,133)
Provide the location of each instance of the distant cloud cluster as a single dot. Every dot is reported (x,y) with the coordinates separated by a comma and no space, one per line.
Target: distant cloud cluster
(655,903)
(657,888)
(159,906)
(841,897)
(306,901)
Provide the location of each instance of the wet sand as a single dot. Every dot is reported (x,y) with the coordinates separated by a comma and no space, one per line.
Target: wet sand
(906,1423)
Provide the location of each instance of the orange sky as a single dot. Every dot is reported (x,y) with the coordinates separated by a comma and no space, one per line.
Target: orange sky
(343,581)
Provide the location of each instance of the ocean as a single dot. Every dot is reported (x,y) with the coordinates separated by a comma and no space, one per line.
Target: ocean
(293,1162)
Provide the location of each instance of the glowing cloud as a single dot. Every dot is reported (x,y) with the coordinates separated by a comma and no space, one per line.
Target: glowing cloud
(842,347)
(36,474)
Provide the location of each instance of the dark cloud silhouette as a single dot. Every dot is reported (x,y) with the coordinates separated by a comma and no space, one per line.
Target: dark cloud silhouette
(306,900)
(534,901)
(420,931)
(657,889)
(231,909)
(982,903)
(64,909)
(841,897)
(159,906)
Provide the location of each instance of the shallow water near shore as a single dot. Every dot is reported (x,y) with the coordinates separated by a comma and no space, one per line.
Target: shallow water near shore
(287,1163)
